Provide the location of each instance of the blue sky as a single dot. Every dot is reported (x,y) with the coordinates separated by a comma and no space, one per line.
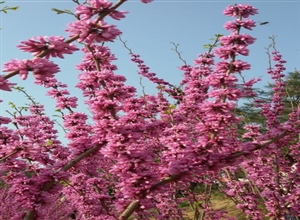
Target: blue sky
(148,30)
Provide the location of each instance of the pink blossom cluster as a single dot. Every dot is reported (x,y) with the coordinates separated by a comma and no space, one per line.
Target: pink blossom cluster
(41,68)
(144,70)
(145,155)
(56,46)
(270,177)
(5,84)
(240,11)
(90,31)
(96,52)
(59,94)
(96,7)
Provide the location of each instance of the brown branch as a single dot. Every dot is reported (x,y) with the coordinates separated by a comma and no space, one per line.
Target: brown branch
(136,203)
(82,156)
(257,147)
(11,154)
(102,202)
(30,215)
(178,53)
(129,210)
(166,180)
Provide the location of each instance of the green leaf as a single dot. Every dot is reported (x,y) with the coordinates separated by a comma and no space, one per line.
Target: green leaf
(8,8)
(64,182)
(18,88)
(12,105)
(48,143)
(167,112)
(68,11)
(172,106)
(58,11)
(218,35)
(205,46)
(14,8)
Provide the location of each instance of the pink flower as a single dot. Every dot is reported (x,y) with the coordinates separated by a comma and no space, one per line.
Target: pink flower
(252,131)
(17,65)
(229,51)
(85,12)
(234,25)
(90,32)
(144,71)
(231,93)
(41,68)
(4,120)
(100,4)
(97,7)
(117,15)
(205,59)
(236,66)
(240,10)
(55,45)
(241,39)
(231,192)
(5,85)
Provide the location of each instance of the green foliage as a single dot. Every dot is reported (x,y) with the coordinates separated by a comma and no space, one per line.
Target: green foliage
(292,98)
(58,11)
(214,44)
(65,11)
(169,110)
(7,8)
(48,143)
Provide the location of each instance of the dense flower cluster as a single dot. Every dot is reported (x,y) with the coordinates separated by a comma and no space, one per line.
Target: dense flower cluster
(240,11)
(145,155)
(97,7)
(41,68)
(90,31)
(56,46)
